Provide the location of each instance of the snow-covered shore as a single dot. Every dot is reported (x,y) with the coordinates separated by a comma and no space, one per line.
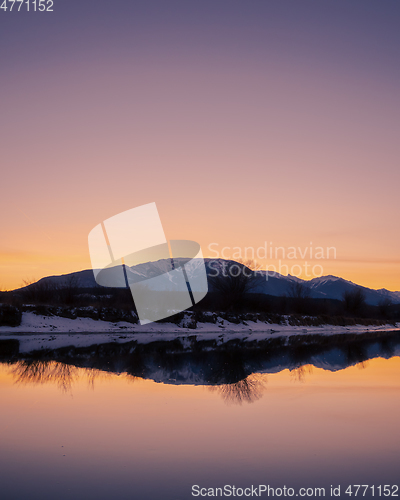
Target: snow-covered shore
(38,331)
(32,323)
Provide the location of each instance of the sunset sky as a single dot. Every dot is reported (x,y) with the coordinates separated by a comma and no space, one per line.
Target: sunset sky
(245,121)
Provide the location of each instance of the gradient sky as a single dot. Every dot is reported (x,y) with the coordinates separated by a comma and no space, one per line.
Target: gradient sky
(245,121)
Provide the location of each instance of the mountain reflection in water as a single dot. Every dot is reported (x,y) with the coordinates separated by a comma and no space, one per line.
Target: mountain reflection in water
(236,369)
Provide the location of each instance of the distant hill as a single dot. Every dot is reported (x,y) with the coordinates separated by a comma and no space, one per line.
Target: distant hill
(328,287)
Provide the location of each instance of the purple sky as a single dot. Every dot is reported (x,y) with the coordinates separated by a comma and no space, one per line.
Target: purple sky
(245,122)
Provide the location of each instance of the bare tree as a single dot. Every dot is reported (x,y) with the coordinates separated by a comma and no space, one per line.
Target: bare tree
(299,290)
(354,300)
(384,307)
(300,295)
(235,279)
(70,289)
(39,292)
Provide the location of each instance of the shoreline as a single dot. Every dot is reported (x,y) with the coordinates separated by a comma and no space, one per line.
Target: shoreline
(43,332)
(37,323)
(202,359)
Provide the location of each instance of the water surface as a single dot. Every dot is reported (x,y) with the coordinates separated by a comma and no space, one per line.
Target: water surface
(70,432)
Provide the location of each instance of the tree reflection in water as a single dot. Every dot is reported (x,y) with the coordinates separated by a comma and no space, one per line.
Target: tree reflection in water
(299,373)
(65,376)
(232,369)
(46,371)
(248,390)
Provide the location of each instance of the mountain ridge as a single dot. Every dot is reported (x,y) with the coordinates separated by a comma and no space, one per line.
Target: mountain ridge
(270,283)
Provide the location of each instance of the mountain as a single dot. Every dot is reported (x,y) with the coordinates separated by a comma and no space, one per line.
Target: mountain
(334,288)
(328,287)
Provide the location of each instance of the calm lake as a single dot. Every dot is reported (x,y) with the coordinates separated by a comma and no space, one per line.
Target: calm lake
(154,430)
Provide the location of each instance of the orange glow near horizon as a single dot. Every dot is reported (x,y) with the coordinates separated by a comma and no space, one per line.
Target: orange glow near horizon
(20,267)
(373,373)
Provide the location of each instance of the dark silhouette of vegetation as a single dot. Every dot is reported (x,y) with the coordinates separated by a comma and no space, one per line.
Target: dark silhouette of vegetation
(299,290)
(354,301)
(234,281)
(300,293)
(384,308)
(10,315)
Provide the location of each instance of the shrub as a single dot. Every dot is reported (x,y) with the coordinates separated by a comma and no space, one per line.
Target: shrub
(10,315)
